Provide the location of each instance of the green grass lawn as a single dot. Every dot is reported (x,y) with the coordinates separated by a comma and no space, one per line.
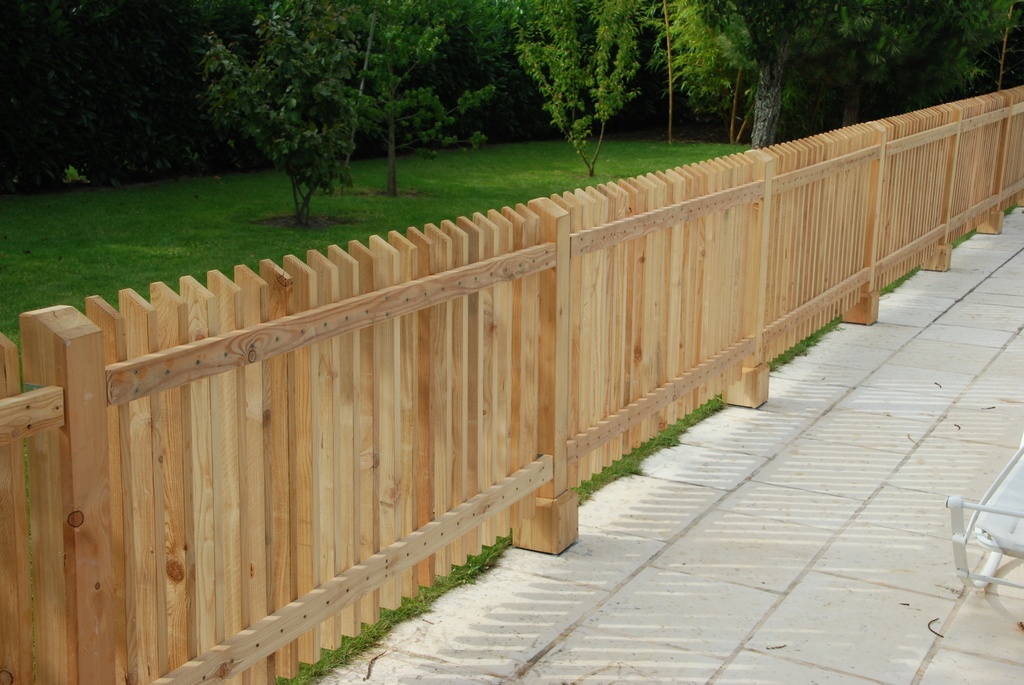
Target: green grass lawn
(63,247)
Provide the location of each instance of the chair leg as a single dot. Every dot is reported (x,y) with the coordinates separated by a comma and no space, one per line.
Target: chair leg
(989,570)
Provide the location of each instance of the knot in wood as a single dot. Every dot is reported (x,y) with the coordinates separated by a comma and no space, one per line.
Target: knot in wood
(514,270)
(76,519)
(6,677)
(175,570)
(252,356)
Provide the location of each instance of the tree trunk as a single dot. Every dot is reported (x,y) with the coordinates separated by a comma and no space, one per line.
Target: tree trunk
(734,137)
(668,61)
(392,160)
(768,103)
(851,101)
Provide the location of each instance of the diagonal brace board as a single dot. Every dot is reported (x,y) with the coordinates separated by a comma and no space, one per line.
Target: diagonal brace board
(160,371)
(238,653)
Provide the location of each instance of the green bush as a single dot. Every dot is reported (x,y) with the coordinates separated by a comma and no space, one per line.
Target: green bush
(107,87)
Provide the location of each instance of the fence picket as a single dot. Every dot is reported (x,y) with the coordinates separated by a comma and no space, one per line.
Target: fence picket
(369,506)
(408,403)
(387,415)
(269,468)
(16,610)
(304,430)
(276,409)
(442,391)
(254,305)
(202,317)
(147,643)
(111,323)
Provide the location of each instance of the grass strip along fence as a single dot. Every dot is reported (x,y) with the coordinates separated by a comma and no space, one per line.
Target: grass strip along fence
(227,477)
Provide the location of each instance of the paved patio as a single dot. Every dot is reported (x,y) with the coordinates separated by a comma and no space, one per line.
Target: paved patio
(804,542)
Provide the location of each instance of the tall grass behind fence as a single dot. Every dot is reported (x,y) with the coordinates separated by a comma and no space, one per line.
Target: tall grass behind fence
(229,476)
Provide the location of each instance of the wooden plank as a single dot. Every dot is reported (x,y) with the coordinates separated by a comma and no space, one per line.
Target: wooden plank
(25,414)
(675,285)
(217,354)
(254,308)
(820,171)
(201,322)
(461,416)
(442,350)
(169,436)
(525,296)
(228,397)
(276,410)
(916,140)
(111,323)
(75,605)
(303,426)
(422,437)
(648,405)
(478,381)
(575,210)
(326,443)
(632,227)
(146,603)
(555,338)
(503,369)
(348,416)
(15,575)
(387,410)
(986,119)
(55,664)
(236,654)
(409,398)
(369,471)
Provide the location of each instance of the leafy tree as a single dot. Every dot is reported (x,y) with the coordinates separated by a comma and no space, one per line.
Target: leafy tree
(106,86)
(713,69)
(1011,51)
(403,36)
(295,101)
(911,52)
(771,30)
(583,54)
(480,50)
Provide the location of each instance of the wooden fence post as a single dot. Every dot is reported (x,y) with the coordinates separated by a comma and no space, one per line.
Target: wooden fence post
(994,221)
(555,525)
(75,618)
(16,615)
(865,312)
(942,257)
(751,390)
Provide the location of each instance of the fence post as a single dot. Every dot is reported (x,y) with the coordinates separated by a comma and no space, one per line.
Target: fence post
(751,390)
(942,257)
(865,311)
(62,347)
(555,525)
(16,616)
(994,221)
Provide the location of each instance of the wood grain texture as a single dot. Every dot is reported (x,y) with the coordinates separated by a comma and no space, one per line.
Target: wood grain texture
(16,609)
(216,354)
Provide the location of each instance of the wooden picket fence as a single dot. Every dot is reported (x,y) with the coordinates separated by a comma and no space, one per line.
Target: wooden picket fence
(225,478)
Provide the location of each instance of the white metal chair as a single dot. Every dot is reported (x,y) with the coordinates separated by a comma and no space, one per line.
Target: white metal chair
(997,523)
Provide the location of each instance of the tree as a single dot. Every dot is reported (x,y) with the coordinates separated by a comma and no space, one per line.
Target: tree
(915,52)
(583,54)
(295,101)
(771,29)
(712,68)
(403,37)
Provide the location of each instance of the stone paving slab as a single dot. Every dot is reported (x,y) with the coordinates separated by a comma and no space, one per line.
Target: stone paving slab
(805,542)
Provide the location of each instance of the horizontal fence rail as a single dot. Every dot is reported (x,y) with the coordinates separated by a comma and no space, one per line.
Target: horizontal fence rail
(226,477)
